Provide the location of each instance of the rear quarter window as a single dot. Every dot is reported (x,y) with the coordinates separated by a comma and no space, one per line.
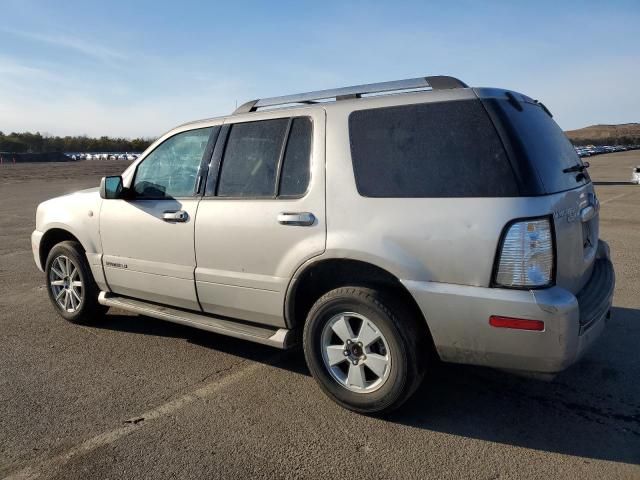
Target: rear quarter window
(444,149)
(295,173)
(539,144)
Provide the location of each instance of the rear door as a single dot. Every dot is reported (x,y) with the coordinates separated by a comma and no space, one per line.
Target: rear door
(263,214)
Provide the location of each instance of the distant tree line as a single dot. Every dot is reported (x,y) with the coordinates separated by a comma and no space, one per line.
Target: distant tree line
(28,142)
(621,140)
(36,143)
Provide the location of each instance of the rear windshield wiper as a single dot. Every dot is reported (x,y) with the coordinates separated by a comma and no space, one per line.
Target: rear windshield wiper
(577,168)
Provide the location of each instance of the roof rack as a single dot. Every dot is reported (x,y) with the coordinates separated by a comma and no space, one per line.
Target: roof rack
(437,82)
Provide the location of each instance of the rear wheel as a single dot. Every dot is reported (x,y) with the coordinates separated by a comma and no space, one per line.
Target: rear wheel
(72,289)
(364,349)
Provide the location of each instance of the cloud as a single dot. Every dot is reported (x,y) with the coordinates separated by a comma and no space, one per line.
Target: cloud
(75,113)
(80,45)
(71,115)
(49,97)
(11,67)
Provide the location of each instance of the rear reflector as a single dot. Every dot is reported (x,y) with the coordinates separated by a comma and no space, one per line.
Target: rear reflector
(517,323)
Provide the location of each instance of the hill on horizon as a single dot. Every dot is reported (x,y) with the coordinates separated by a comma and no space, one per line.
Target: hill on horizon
(603,134)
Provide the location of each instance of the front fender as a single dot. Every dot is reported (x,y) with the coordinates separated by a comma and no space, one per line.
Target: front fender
(77,213)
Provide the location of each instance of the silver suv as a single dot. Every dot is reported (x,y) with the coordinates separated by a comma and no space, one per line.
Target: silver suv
(383,226)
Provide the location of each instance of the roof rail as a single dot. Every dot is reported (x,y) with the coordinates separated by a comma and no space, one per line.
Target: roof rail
(438,82)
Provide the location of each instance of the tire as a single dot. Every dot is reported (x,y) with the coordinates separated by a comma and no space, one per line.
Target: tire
(72,289)
(387,372)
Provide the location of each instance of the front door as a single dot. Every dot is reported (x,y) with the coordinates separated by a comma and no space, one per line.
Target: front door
(263,214)
(147,239)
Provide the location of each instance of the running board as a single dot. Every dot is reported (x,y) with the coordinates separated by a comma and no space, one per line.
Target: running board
(274,337)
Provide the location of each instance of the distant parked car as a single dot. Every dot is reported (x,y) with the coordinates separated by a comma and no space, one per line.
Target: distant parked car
(635,176)
(582,152)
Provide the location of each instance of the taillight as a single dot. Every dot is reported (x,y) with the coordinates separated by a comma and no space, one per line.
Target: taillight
(525,259)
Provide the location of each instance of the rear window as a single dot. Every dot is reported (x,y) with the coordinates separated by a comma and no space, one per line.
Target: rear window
(538,141)
(444,149)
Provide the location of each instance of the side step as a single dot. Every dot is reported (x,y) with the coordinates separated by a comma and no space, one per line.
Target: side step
(274,337)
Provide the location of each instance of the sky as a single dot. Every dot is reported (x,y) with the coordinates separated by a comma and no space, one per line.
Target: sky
(138,68)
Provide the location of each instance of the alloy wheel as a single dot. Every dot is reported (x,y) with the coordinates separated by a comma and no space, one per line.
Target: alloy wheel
(355,352)
(65,283)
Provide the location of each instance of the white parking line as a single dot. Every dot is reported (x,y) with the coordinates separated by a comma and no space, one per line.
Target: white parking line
(50,465)
(615,198)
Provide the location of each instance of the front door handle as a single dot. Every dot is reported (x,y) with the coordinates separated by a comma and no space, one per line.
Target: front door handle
(175,216)
(300,219)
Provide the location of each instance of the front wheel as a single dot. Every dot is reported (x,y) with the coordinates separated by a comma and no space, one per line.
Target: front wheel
(72,289)
(364,349)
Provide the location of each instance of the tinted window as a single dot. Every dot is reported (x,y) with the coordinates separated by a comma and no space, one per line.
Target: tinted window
(171,169)
(447,149)
(538,140)
(251,157)
(294,178)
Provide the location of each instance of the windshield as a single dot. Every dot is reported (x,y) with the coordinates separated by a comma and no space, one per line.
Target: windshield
(538,141)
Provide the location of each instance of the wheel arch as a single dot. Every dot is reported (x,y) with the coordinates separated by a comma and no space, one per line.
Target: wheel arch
(321,276)
(51,238)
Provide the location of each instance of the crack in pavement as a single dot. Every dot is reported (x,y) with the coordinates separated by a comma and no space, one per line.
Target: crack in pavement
(586,410)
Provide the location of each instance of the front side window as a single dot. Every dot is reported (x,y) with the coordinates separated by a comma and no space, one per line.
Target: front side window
(171,170)
(250,161)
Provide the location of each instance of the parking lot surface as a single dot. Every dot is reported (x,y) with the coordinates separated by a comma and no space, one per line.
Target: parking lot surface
(134,397)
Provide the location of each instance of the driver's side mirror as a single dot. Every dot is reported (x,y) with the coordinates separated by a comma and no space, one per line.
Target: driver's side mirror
(111,187)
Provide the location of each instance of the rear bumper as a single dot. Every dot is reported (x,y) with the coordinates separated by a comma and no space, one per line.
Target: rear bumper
(458,318)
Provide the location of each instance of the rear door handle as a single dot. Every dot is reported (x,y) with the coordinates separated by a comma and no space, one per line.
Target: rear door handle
(175,216)
(300,219)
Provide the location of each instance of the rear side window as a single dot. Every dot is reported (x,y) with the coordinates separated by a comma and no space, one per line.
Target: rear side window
(267,158)
(444,149)
(251,158)
(294,178)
